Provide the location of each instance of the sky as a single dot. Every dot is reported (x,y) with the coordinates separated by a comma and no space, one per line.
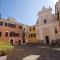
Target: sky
(24,11)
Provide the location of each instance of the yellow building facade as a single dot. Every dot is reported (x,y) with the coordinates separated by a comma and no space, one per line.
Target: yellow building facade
(31,34)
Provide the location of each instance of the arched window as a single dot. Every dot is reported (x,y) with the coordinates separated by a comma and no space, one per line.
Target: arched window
(12,34)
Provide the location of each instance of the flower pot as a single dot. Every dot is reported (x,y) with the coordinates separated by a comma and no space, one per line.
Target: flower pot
(3,57)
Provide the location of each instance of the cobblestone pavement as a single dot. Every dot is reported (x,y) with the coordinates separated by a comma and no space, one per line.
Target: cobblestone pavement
(22,51)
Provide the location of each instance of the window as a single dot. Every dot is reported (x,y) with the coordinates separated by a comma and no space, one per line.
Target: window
(10,25)
(33,28)
(45,21)
(6,24)
(1,23)
(17,34)
(12,34)
(34,35)
(0,34)
(6,34)
(30,35)
(13,25)
(20,27)
(56,31)
(30,29)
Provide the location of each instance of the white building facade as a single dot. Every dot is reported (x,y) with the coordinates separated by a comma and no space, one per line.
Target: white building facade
(48,28)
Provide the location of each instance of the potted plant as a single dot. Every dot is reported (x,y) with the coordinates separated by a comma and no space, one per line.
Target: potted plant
(4,49)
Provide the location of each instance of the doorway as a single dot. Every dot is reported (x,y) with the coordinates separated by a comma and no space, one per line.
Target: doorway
(19,42)
(23,37)
(47,39)
(23,40)
(11,42)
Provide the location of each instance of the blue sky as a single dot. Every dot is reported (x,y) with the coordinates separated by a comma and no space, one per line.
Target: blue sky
(25,11)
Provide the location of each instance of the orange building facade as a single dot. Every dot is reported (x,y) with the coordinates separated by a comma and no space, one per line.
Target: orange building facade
(11,31)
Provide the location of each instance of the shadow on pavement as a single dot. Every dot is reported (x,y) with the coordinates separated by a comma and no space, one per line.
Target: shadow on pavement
(22,51)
